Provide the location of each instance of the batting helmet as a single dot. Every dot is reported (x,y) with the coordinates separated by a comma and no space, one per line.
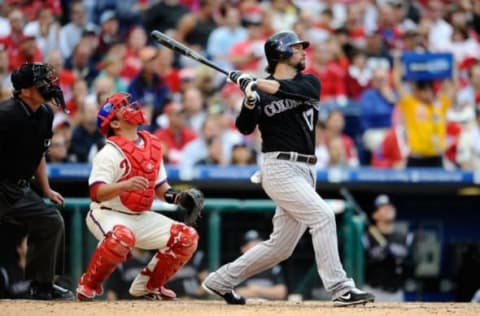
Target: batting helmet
(120,103)
(278,47)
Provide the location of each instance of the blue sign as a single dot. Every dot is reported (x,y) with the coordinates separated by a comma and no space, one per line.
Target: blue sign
(331,175)
(427,66)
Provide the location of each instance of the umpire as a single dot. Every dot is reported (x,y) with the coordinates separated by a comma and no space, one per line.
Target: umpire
(25,135)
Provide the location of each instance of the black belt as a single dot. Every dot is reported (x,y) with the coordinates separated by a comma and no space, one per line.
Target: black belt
(111,209)
(309,159)
(23,183)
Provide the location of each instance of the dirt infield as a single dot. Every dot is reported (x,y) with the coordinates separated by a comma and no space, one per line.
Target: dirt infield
(218,308)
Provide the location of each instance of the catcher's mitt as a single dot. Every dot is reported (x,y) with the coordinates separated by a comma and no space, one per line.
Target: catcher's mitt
(191,201)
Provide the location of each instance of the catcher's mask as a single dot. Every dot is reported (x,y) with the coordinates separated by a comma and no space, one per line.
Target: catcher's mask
(43,77)
(120,103)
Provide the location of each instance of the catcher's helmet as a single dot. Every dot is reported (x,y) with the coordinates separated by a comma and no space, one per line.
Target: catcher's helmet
(120,103)
(278,47)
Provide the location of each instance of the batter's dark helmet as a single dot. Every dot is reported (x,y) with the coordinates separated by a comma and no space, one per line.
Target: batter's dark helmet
(279,46)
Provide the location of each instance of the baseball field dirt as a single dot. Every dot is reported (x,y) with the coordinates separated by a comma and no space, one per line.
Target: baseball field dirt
(218,308)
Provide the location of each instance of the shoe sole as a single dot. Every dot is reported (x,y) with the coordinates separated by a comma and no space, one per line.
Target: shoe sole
(211,291)
(360,302)
(84,298)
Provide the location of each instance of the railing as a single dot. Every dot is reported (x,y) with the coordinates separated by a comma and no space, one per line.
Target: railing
(351,231)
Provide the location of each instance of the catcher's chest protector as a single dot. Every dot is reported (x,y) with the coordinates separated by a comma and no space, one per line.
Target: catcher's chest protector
(143,162)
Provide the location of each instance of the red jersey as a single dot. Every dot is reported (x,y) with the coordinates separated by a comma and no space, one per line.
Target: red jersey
(175,142)
(332,79)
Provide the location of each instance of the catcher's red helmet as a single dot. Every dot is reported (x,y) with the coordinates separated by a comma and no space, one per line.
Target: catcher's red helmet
(120,103)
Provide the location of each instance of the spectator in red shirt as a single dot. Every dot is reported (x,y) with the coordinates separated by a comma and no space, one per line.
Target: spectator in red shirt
(16,20)
(66,77)
(354,25)
(166,70)
(176,135)
(358,75)
(330,73)
(27,52)
(247,55)
(393,151)
(31,7)
(132,64)
(334,126)
(79,93)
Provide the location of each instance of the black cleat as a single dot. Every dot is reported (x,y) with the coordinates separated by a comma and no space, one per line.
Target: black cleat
(49,292)
(231,297)
(353,297)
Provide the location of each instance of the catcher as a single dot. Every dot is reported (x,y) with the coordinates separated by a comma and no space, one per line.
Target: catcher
(127,174)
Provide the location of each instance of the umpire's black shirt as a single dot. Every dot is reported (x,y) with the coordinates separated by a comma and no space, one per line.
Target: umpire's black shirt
(24,138)
(286,122)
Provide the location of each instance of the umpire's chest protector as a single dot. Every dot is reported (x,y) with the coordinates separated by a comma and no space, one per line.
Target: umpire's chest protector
(145,162)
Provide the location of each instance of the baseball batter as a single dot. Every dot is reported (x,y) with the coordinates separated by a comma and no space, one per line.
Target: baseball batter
(127,174)
(279,106)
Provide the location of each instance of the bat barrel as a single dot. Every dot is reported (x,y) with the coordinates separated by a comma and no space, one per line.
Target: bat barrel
(184,50)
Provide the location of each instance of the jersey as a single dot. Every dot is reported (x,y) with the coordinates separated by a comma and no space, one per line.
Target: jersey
(25,137)
(388,259)
(109,166)
(425,125)
(286,123)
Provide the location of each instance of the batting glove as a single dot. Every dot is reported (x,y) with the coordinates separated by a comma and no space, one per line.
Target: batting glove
(240,78)
(251,95)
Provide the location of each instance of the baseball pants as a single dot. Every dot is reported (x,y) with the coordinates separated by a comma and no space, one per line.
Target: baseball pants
(291,185)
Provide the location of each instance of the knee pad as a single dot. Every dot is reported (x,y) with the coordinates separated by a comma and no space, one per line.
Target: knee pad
(183,239)
(120,240)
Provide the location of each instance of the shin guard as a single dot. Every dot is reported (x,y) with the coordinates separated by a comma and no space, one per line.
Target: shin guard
(180,248)
(112,251)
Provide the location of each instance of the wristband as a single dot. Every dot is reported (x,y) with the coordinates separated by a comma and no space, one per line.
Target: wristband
(171,195)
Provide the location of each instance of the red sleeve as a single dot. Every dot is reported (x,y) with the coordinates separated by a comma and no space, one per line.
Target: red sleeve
(93,191)
(56,6)
(349,146)
(391,150)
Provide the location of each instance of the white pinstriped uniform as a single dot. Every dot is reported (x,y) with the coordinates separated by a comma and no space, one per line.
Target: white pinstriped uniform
(291,185)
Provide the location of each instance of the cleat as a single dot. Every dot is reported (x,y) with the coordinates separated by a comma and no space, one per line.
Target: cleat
(85,292)
(353,297)
(49,292)
(167,294)
(162,294)
(231,297)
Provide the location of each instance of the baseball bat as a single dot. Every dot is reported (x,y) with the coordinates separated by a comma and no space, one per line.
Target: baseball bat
(374,232)
(178,47)
(345,193)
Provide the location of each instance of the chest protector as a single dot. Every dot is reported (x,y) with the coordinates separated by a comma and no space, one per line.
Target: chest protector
(144,162)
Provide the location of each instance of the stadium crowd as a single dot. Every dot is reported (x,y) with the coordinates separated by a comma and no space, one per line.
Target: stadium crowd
(369,115)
